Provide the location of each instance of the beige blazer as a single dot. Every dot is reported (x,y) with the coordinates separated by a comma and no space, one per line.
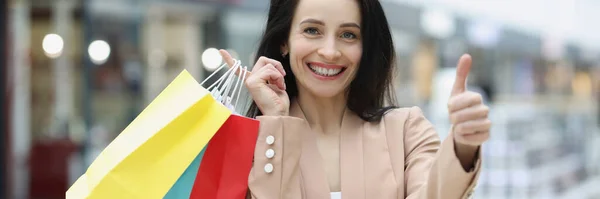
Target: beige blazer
(399,157)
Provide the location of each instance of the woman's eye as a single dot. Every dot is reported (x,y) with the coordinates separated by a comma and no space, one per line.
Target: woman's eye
(348,35)
(312,31)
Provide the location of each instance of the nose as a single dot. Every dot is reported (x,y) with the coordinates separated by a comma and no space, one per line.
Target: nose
(329,50)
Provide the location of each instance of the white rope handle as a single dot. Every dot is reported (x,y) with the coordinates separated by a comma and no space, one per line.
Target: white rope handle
(245,71)
(222,90)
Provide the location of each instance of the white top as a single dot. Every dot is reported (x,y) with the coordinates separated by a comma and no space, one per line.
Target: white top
(336,195)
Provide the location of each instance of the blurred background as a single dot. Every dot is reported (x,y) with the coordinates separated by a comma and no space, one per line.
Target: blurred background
(76,72)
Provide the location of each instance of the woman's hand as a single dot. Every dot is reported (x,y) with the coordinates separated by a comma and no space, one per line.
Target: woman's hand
(266,85)
(468,114)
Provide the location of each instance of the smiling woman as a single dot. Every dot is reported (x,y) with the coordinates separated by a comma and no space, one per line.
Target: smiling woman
(332,35)
(321,87)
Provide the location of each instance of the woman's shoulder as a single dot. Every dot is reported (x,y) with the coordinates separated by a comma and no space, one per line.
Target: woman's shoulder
(405,118)
(403,114)
(396,118)
(407,124)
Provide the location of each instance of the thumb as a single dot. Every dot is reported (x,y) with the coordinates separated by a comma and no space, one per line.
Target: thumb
(462,71)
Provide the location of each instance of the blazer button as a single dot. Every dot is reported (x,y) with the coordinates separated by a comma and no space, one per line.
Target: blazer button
(270,140)
(270,153)
(268,168)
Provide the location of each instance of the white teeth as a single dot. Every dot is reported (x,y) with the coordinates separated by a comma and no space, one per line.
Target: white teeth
(325,71)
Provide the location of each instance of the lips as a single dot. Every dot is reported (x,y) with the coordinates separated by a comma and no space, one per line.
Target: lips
(326,70)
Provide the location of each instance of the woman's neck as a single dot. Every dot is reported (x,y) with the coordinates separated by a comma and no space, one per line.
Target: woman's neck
(322,114)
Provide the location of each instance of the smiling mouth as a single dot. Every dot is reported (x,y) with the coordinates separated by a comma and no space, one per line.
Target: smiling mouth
(327,72)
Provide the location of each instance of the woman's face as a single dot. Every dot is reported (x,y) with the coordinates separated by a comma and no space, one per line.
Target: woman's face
(325,45)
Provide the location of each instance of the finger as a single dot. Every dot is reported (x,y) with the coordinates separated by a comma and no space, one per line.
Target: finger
(227,57)
(230,62)
(464,100)
(266,75)
(256,77)
(274,77)
(262,61)
(473,126)
(471,113)
(474,139)
(462,71)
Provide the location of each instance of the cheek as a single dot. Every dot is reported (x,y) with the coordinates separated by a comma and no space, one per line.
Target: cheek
(299,48)
(354,54)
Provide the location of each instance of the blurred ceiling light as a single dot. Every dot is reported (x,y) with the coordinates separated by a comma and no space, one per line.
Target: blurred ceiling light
(99,51)
(438,23)
(211,59)
(53,45)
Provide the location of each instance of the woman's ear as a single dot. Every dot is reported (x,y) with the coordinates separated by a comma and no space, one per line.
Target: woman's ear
(284,50)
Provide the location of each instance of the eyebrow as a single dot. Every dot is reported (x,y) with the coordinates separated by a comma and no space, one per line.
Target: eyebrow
(344,25)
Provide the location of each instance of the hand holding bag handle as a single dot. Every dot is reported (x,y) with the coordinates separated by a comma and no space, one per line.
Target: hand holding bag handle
(227,161)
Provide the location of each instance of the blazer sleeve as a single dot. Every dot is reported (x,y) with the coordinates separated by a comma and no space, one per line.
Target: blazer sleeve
(282,180)
(433,171)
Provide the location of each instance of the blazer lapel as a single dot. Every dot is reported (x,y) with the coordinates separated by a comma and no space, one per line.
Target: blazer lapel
(314,178)
(352,157)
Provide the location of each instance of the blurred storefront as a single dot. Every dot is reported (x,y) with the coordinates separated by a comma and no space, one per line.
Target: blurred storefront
(82,70)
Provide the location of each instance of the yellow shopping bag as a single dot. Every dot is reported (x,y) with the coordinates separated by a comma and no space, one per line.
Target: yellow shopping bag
(148,157)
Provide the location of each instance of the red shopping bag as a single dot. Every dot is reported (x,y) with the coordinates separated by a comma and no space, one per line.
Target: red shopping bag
(226,164)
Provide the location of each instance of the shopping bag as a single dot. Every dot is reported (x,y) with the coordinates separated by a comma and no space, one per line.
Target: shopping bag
(151,154)
(226,161)
(183,186)
(226,164)
(221,170)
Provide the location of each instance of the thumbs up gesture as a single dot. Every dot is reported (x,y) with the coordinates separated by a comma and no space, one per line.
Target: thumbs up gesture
(468,114)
